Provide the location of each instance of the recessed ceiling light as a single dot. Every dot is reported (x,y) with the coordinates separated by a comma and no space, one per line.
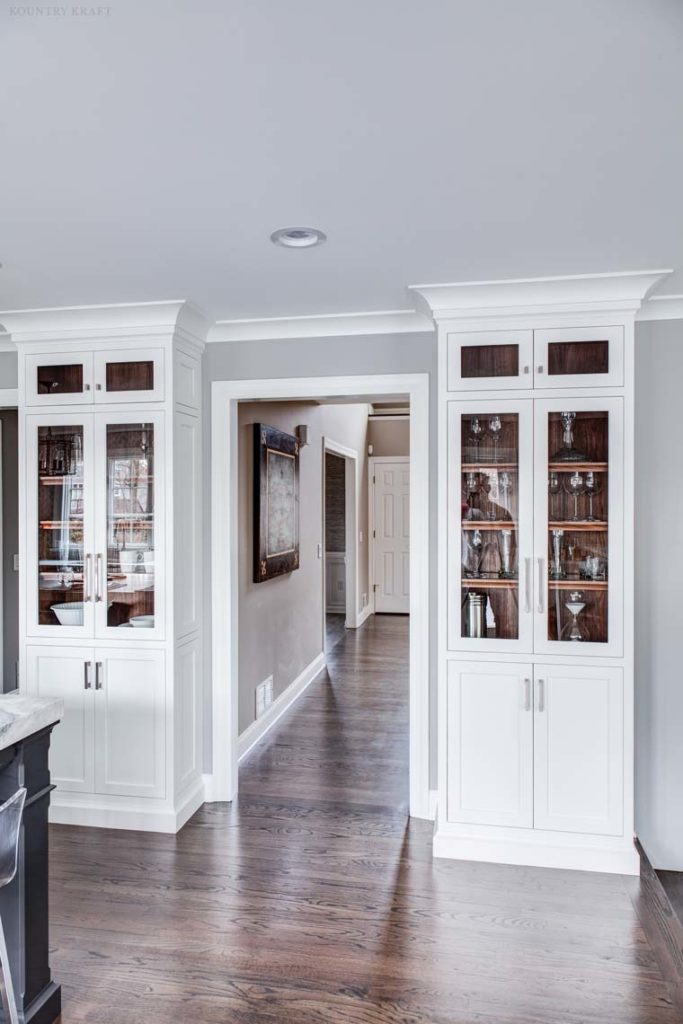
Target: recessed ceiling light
(298,238)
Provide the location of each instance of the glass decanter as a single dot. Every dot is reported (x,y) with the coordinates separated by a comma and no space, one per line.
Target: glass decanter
(575,631)
(568,452)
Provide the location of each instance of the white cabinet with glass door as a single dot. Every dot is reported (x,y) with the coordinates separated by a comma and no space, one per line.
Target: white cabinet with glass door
(95,491)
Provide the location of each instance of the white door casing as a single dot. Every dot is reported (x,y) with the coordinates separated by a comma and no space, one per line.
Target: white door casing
(490,744)
(391,534)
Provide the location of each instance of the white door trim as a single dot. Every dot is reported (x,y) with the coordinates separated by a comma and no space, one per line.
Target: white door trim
(372,462)
(224,548)
(350,457)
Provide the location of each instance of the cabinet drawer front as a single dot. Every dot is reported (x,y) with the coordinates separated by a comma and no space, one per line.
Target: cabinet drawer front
(67,675)
(490,741)
(579,749)
(579,357)
(130,723)
(490,360)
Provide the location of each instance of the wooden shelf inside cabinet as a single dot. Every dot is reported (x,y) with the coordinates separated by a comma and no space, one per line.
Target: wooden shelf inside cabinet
(582,467)
(488,524)
(578,584)
(486,467)
(568,524)
(494,584)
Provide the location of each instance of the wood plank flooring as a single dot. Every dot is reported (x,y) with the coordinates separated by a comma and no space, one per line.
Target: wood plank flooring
(315,900)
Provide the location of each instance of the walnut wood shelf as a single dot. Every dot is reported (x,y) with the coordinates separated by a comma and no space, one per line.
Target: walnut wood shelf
(578,584)
(488,524)
(582,524)
(484,467)
(583,467)
(495,584)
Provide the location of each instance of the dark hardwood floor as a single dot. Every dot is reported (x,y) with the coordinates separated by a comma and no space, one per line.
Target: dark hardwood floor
(334,629)
(315,900)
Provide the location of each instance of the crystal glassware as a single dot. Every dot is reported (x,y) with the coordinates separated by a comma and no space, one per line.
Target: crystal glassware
(593,486)
(568,452)
(505,549)
(556,570)
(575,631)
(495,432)
(575,486)
(505,485)
(472,490)
(474,554)
(555,489)
(476,432)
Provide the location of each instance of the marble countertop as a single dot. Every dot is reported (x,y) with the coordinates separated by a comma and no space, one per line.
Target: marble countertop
(21,716)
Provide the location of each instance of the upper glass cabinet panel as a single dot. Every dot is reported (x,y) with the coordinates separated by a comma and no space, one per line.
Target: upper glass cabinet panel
(481,360)
(586,357)
(100,377)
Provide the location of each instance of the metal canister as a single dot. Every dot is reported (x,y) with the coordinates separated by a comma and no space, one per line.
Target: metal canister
(475,615)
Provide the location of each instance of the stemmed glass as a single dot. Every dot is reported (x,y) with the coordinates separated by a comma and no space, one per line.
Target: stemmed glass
(495,432)
(505,484)
(476,432)
(472,488)
(576,486)
(593,487)
(555,488)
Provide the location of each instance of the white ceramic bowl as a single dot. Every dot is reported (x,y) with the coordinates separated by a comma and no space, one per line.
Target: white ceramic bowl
(70,614)
(142,621)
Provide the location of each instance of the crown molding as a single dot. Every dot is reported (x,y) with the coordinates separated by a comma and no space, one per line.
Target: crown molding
(325,325)
(120,320)
(595,292)
(661,307)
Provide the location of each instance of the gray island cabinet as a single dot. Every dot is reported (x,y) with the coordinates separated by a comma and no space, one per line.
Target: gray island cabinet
(25,727)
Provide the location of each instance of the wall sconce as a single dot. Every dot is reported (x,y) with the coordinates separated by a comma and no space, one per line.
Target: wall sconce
(302,434)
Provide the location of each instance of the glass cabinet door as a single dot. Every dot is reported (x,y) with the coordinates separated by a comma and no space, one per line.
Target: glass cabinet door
(129,377)
(64,379)
(579,357)
(127,567)
(494,360)
(579,567)
(491,526)
(59,578)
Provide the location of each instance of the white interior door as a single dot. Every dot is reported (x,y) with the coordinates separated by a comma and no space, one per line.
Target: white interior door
(67,674)
(490,744)
(391,504)
(130,722)
(579,749)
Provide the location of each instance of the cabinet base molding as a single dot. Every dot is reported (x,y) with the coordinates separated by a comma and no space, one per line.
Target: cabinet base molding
(125,813)
(620,861)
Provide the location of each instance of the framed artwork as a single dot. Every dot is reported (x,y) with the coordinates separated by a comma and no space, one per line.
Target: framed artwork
(276,503)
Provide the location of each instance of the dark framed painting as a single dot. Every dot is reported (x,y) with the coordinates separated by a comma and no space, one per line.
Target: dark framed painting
(276,503)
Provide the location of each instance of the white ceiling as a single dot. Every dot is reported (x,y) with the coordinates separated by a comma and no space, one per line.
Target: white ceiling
(149,152)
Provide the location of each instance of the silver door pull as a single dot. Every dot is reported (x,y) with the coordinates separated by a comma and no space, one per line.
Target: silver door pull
(98,578)
(87,683)
(541,695)
(87,579)
(98,675)
(539,369)
(527,695)
(540,584)
(527,585)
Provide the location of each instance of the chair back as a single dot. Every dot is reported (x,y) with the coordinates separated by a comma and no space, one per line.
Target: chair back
(10,829)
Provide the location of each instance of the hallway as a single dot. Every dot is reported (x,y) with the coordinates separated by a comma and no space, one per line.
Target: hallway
(314,900)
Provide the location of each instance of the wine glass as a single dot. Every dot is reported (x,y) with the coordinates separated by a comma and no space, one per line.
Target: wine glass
(474,554)
(593,487)
(576,486)
(495,432)
(472,488)
(555,488)
(476,432)
(505,485)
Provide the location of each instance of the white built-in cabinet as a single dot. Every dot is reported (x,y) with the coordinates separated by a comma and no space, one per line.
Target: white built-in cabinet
(536,591)
(110,558)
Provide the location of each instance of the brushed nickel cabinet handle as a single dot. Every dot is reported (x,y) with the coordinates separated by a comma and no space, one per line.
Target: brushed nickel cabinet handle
(539,369)
(526,369)
(86,387)
(87,683)
(98,675)
(98,387)
(527,585)
(527,695)
(98,578)
(87,579)
(540,585)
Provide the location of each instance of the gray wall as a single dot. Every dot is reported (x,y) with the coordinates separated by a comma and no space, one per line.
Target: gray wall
(10,547)
(389,438)
(281,621)
(659,607)
(8,370)
(349,355)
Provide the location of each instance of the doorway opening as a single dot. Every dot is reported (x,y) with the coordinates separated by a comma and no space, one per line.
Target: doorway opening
(340,527)
(228,550)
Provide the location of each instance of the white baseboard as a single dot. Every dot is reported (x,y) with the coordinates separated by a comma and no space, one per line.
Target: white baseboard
(624,861)
(362,616)
(258,729)
(335,609)
(136,815)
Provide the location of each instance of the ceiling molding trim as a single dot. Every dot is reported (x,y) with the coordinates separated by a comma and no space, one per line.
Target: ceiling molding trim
(598,292)
(661,307)
(326,325)
(120,320)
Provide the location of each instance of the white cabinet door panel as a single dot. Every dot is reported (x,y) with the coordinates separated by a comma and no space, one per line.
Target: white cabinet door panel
(392,540)
(579,749)
(67,675)
(490,744)
(130,723)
